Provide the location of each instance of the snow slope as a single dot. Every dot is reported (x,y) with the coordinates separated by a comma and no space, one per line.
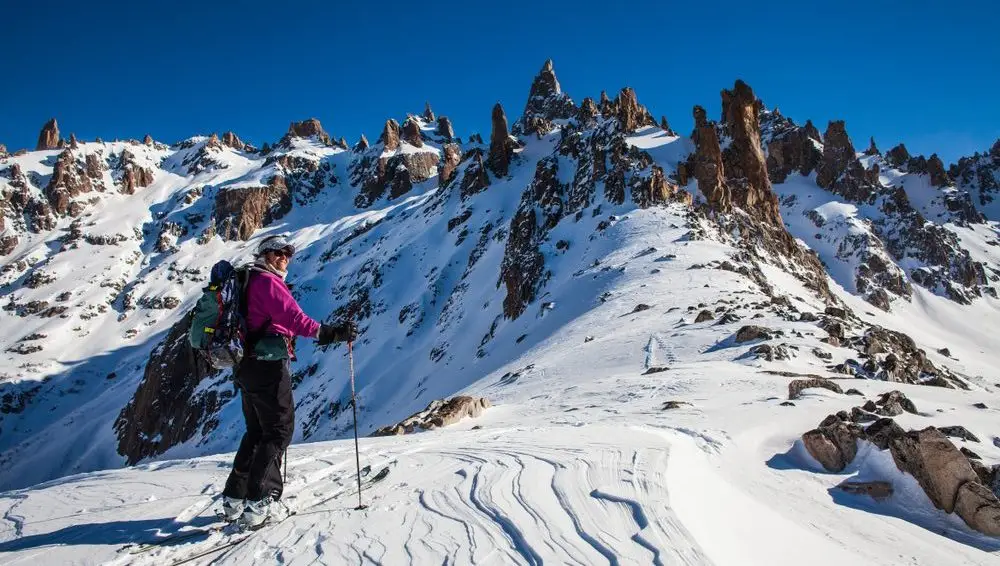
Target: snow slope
(577,463)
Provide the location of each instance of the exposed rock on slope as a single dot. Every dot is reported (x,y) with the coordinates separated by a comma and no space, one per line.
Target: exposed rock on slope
(166,410)
(438,414)
(241,212)
(546,104)
(48,138)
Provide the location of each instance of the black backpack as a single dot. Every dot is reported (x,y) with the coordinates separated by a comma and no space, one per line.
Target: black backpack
(218,329)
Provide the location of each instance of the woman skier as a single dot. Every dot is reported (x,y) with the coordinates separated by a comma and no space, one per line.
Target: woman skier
(273,319)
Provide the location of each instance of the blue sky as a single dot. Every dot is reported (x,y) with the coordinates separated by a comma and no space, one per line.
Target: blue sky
(925,73)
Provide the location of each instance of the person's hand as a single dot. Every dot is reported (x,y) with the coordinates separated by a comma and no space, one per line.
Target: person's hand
(328,334)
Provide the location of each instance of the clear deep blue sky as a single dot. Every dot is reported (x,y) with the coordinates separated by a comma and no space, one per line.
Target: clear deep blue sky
(922,72)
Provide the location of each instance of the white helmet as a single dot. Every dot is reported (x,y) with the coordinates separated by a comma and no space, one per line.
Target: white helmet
(275,242)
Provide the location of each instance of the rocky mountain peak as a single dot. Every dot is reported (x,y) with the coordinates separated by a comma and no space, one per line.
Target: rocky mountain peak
(3,150)
(390,135)
(428,114)
(872,148)
(411,133)
(232,140)
(812,132)
(743,159)
(995,150)
(898,156)
(307,129)
(444,128)
(588,113)
(148,140)
(501,146)
(606,105)
(213,141)
(631,114)
(935,168)
(546,103)
(840,171)
(705,164)
(665,126)
(362,144)
(73,144)
(48,138)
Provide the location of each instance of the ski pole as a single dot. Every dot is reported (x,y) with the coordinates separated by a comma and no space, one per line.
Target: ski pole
(354,407)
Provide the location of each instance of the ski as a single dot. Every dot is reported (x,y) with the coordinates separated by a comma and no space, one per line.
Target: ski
(139,548)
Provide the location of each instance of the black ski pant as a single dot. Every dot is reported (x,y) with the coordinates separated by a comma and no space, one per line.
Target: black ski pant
(269,412)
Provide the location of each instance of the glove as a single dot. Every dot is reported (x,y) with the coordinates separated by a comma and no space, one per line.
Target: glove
(346,332)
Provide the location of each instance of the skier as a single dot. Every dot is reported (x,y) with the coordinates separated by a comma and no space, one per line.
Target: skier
(273,319)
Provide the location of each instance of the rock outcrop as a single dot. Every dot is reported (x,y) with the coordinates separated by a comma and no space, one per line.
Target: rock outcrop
(796,387)
(705,164)
(937,465)
(411,133)
(390,135)
(791,149)
(232,140)
(428,114)
(438,414)
(168,407)
(48,138)
(133,176)
(362,144)
(898,156)
(307,129)
(631,114)
(68,180)
(501,145)
(840,172)
(743,159)
(834,444)
(449,163)
(872,148)
(390,170)
(241,212)
(445,129)
(546,104)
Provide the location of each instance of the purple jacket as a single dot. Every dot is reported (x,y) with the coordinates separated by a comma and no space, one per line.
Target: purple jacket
(269,302)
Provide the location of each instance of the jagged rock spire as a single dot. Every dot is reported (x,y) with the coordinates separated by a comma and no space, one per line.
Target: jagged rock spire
(840,171)
(390,135)
(935,168)
(449,163)
(501,147)
(665,126)
(411,133)
(898,156)
(872,148)
(631,114)
(607,107)
(148,140)
(811,131)
(362,144)
(232,140)
(995,150)
(546,103)
(745,167)
(342,143)
(706,163)
(73,144)
(428,114)
(48,138)
(444,128)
